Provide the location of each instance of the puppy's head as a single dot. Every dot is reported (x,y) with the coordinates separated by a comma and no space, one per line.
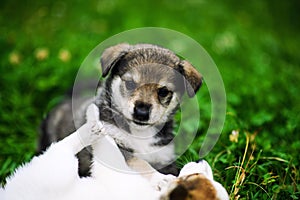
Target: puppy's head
(189,187)
(147,81)
(195,181)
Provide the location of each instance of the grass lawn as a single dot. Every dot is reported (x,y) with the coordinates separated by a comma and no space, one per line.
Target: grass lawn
(255,45)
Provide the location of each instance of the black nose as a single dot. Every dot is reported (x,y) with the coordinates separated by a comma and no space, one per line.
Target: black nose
(142,111)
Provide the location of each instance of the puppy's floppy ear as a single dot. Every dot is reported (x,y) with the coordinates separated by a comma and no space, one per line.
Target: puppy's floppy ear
(193,79)
(111,56)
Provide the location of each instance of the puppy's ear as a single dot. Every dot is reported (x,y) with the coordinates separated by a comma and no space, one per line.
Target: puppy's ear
(111,56)
(193,79)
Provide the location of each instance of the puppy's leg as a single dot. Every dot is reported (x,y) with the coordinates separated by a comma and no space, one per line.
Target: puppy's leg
(87,134)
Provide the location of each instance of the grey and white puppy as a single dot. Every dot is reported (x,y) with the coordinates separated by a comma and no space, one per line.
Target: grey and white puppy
(137,101)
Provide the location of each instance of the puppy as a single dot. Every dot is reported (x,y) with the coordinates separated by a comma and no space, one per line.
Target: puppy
(42,178)
(143,90)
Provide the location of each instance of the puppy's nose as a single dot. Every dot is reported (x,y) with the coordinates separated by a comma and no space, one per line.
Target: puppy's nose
(142,111)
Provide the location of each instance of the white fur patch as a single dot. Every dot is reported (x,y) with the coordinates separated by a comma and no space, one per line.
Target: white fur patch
(142,140)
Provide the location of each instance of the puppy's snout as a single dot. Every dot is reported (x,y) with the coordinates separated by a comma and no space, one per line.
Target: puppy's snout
(142,111)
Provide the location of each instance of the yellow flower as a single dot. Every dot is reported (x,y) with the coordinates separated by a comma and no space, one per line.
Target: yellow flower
(233,137)
(64,55)
(41,54)
(14,58)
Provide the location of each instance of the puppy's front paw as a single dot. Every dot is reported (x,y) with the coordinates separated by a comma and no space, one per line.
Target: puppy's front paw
(92,118)
(93,128)
(161,181)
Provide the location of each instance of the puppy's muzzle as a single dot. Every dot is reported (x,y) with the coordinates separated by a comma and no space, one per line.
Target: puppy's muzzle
(142,111)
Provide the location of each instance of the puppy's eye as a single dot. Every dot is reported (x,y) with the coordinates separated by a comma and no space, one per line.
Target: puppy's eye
(130,85)
(163,92)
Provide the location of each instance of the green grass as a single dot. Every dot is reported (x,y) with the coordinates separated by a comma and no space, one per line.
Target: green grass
(254,44)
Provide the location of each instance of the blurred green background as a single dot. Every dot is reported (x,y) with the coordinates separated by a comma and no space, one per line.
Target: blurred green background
(255,45)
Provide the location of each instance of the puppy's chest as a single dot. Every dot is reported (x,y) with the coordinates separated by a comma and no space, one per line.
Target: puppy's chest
(142,142)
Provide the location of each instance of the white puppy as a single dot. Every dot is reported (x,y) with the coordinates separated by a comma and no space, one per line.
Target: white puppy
(43,178)
(112,177)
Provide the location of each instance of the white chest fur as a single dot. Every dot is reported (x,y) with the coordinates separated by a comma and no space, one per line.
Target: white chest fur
(142,141)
